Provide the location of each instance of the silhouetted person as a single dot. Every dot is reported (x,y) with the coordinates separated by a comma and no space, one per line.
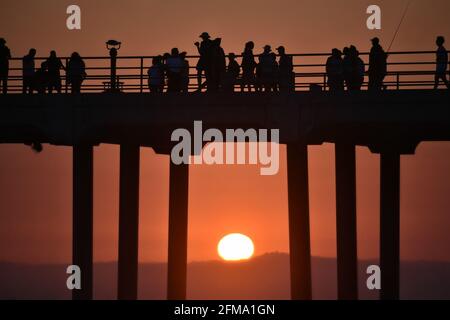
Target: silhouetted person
(377,65)
(76,72)
(40,82)
(28,71)
(174,65)
(347,68)
(232,74)
(204,63)
(218,65)
(357,70)
(360,70)
(286,77)
(335,71)
(5,55)
(54,66)
(184,73)
(267,69)
(248,67)
(156,75)
(441,63)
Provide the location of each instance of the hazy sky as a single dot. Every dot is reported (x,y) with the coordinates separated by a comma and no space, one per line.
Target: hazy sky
(35,198)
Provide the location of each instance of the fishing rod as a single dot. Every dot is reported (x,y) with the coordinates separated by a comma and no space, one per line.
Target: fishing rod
(400,24)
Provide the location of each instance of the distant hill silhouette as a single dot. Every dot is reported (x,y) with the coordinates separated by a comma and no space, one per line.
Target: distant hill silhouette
(263,277)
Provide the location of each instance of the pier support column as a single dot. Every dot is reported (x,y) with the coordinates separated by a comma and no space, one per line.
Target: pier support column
(178,231)
(299,235)
(347,255)
(127,288)
(390,225)
(82,227)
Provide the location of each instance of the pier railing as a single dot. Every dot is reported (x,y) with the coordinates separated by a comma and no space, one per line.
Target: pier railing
(406,70)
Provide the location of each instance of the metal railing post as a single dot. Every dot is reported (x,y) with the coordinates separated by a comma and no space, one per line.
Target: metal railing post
(66,85)
(141,86)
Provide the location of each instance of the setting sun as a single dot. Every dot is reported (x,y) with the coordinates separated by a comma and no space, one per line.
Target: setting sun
(235,247)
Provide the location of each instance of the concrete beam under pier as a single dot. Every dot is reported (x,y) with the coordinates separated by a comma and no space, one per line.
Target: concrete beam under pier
(127,288)
(82,250)
(347,256)
(390,225)
(299,235)
(363,118)
(178,231)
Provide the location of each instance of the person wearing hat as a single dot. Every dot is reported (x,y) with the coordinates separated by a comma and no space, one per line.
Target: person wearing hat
(204,63)
(335,71)
(286,76)
(377,65)
(5,55)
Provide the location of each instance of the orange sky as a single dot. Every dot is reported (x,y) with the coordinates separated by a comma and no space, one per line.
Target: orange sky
(35,198)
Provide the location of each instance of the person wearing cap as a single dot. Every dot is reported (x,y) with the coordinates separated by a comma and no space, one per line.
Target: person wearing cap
(5,55)
(204,63)
(441,63)
(335,71)
(248,67)
(377,65)
(28,71)
(286,76)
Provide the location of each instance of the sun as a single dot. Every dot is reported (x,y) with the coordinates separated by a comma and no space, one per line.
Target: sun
(235,247)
